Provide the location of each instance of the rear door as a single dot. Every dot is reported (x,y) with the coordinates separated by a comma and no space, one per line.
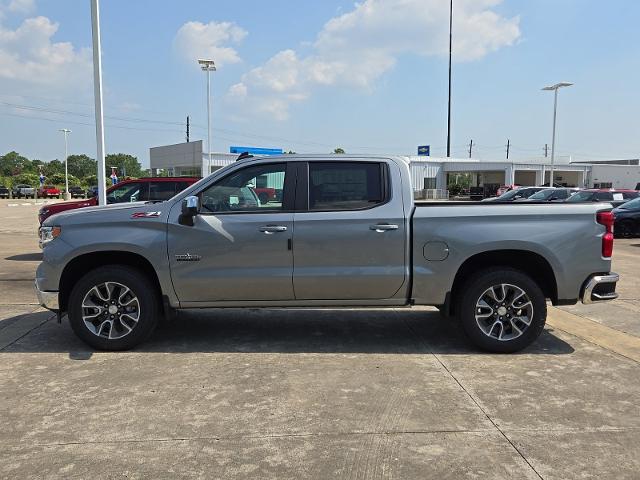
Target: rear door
(349,240)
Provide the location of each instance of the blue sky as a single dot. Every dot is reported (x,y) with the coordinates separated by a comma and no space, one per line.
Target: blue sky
(311,76)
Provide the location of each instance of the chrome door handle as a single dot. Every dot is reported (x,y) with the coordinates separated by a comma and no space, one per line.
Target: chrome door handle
(269,229)
(383,227)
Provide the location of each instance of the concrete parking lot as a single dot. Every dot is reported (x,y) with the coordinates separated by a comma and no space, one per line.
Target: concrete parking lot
(362,394)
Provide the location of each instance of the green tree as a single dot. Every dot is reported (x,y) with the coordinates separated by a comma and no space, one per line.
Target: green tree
(13,163)
(339,150)
(90,180)
(132,167)
(82,165)
(53,167)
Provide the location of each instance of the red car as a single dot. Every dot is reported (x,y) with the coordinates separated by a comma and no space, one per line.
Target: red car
(154,189)
(48,191)
(265,194)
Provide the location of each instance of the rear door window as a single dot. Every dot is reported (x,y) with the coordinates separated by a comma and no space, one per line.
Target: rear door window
(161,191)
(345,185)
(604,196)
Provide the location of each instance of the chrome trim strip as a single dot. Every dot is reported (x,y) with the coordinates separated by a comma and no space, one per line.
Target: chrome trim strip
(597,280)
(48,300)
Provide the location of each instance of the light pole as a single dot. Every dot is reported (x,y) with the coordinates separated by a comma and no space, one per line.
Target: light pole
(553,137)
(449,102)
(97,93)
(208,66)
(67,195)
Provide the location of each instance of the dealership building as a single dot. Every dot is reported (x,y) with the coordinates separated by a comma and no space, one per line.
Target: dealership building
(430,173)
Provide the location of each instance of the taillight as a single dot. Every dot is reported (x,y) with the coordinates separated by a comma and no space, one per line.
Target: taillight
(606,219)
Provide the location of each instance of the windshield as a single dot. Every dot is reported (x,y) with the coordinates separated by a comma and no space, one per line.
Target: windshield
(510,194)
(631,204)
(580,197)
(542,194)
(130,192)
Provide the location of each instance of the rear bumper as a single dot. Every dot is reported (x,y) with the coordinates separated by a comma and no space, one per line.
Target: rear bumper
(600,288)
(48,300)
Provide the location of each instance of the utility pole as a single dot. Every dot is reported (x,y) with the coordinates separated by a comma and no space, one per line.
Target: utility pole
(449,103)
(67,195)
(546,150)
(508,145)
(187,128)
(470,147)
(97,93)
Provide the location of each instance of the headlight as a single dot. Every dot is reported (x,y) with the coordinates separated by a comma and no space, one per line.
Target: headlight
(44,211)
(48,233)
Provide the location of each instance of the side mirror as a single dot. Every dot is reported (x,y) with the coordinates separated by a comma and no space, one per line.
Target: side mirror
(190,207)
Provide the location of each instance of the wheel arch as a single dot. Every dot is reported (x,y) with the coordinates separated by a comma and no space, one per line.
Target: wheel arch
(526,261)
(84,263)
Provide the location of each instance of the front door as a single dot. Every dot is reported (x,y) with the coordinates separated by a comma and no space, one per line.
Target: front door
(350,240)
(239,247)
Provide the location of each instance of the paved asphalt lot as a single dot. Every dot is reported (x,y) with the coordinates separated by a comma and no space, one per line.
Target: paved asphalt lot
(315,394)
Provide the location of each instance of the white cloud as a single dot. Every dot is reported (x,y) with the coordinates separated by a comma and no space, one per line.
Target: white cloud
(29,59)
(356,48)
(22,7)
(209,40)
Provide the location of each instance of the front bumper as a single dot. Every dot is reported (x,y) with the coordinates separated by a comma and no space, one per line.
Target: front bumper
(48,300)
(600,288)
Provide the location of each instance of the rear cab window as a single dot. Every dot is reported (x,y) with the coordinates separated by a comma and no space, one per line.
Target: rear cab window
(346,185)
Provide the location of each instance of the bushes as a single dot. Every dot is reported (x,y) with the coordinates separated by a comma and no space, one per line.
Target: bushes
(28,178)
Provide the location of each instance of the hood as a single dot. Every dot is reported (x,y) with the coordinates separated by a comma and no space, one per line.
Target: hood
(105,213)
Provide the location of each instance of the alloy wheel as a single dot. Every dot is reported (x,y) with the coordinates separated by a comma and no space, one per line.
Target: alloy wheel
(504,312)
(110,310)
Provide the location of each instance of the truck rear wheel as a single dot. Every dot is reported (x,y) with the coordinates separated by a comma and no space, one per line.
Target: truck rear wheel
(113,308)
(502,310)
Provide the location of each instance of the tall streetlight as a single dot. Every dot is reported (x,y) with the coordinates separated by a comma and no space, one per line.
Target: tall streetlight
(67,195)
(449,103)
(553,137)
(208,66)
(97,93)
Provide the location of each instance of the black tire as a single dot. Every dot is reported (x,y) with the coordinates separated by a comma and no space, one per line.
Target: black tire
(142,288)
(264,198)
(472,292)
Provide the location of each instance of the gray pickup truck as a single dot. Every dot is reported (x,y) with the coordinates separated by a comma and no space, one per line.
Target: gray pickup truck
(338,232)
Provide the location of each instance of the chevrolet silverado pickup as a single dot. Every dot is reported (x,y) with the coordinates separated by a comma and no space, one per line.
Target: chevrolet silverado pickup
(345,233)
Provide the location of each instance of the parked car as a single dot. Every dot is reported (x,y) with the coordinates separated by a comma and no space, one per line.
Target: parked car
(92,191)
(4,192)
(627,219)
(476,193)
(155,189)
(76,192)
(614,197)
(49,191)
(358,238)
(23,190)
(265,194)
(506,188)
(515,194)
(550,195)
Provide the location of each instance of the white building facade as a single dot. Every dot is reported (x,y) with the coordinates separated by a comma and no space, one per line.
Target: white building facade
(436,173)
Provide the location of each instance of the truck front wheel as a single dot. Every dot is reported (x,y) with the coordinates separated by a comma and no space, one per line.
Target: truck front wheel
(502,310)
(113,308)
